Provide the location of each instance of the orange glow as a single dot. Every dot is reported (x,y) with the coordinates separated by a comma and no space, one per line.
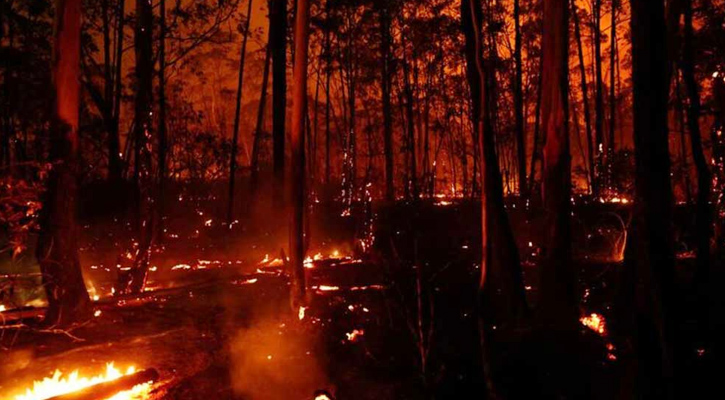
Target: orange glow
(58,384)
(594,322)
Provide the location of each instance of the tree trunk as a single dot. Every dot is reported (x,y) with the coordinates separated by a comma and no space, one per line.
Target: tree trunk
(135,279)
(278,43)
(114,142)
(162,121)
(328,75)
(649,258)
(387,110)
(57,249)
(703,218)
(259,128)
(235,133)
(537,128)
(585,98)
(598,101)
(410,142)
(612,97)
(519,104)
(557,298)
(297,142)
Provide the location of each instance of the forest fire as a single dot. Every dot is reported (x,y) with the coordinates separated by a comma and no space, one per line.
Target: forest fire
(61,384)
(594,322)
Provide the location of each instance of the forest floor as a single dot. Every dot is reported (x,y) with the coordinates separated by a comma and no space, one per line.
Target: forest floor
(397,322)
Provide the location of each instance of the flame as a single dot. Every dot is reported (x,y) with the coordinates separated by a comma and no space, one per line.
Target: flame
(301,313)
(58,384)
(355,334)
(594,322)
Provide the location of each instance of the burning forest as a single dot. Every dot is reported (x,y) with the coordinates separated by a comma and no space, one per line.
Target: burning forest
(361,199)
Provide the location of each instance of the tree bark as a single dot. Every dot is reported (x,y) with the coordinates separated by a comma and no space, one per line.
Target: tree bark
(612,85)
(385,37)
(57,249)
(259,128)
(297,142)
(585,97)
(162,121)
(115,168)
(278,43)
(235,133)
(557,298)
(598,102)
(703,217)
(649,258)
(519,104)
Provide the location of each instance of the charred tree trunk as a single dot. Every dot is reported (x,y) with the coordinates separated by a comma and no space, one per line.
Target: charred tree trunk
(704,217)
(135,279)
(235,133)
(297,178)
(501,291)
(57,249)
(649,257)
(387,109)
(278,43)
(585,97)
(259,128)
(115,167)
(599,179)
(612,86)
(328,75)
(519,104)
(557,298)
(162,121)
(537,128)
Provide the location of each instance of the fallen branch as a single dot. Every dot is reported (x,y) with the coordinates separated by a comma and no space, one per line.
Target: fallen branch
(108,389)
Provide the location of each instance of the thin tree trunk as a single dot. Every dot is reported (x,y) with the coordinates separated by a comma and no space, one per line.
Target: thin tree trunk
(612,94)
(114,141)
(537,128)
(235,133)
(557,298)
(278,43)
(259,127)
(649,257)
(297,178)
(501,294)
(57,249)
(704,216)
(585,99)
(387,110)
(519,104)
(408,91)
(162,120)
(328,75)
(600,180)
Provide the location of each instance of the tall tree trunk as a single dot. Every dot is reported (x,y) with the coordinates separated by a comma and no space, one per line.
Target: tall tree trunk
(600,179)
(278,43)
(328,76)
(114,142)
(57,249)
(297,178)
(612,86)
(585,98)
(501,292)
(134,281)
(386,72)
(557,298)
(519,103)
(162,121)
(704,216)
(409,115)
(259,128)
(235,133)
(537,127)
(649,257)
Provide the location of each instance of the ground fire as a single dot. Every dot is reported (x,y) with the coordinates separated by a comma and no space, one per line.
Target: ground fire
(361,199)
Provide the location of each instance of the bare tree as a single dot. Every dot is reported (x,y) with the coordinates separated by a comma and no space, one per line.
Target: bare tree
(278,44)
(57,249)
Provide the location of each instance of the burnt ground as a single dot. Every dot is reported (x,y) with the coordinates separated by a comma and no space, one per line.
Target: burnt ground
(397,322)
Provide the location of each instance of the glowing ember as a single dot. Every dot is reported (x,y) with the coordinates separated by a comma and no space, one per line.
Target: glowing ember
(355,334)
(326,288)
(2,307)
(58,384)
(594,322)
(180,266)
(301,313)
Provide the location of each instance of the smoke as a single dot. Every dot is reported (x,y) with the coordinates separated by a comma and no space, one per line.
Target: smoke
(276,359)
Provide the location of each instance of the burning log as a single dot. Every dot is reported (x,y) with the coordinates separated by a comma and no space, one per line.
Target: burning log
(107,389)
